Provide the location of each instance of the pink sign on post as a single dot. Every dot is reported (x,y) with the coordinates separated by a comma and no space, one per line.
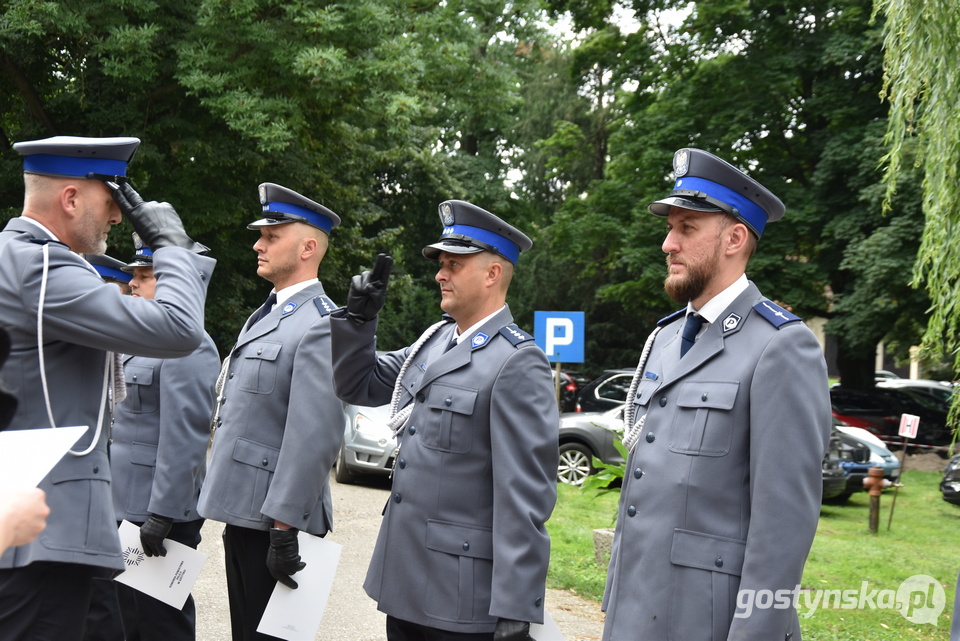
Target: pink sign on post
(908,425)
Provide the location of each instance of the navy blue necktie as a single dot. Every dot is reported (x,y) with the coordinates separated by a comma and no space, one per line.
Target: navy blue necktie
(690,329)
(267,306)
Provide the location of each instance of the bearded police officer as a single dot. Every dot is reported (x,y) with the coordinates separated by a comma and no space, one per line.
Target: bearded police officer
(65,325)
(727,423)
(280,425)
(462,551)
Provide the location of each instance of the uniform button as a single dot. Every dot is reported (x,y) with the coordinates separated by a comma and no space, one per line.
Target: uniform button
(264,462)
(96,469)
(704,397)
(134,377)
(719,561)
(448,402)
(397,498)
(663,401)
(651,437)
(186,512)
(637,473)
(421,398)
(259,351)
(306,515)
(231,374)
(538,601)
(203,276)
(466,545)
(631,511)
(412,430)
(402,463)
(219,422)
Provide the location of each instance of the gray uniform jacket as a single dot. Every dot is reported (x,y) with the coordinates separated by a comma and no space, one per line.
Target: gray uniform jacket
(280,424)
(722,492)
(160,432)
(83,318)
(462,540)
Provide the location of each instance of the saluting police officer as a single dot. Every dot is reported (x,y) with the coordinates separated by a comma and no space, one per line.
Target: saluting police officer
(65,323)
(728,420)
(280,425)
(158,460)
(462,551)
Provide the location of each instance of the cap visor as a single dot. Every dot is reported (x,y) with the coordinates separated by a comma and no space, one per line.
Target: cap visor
(433,251)
(662,207)
(266,222)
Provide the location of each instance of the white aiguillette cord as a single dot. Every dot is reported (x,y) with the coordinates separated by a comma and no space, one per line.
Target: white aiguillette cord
(399,417)
(632,434)
(107,365)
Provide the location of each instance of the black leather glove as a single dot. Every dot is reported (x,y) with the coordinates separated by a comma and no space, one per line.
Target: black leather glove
(283,557)
(158,224)
(510,630)
(152,534)
(368,291)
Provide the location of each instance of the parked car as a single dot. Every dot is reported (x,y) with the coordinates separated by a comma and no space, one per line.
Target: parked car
(950,485)
(879,410)
(940,390)
(369,447)
(584,435)
(862,450)
(571,382)
(607,391)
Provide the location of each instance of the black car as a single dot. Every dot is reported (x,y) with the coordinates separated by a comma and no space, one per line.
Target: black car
(879,410)
(605,392)
(950,485)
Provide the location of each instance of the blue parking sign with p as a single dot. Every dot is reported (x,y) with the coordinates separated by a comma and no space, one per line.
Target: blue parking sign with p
(560,335)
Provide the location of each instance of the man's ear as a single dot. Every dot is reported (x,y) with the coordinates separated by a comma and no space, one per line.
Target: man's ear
(310,246)
(737,237)
(494,272)
(70,197)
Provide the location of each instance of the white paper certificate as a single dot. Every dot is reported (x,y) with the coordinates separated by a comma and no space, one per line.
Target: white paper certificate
(29,455)
(167,578)
(295,614)
(547,631)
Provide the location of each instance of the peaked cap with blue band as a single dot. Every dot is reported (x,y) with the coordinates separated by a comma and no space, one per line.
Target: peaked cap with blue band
(282,205)
(709,184)
(142,255)
(468,229)
(108,267)
(76,157)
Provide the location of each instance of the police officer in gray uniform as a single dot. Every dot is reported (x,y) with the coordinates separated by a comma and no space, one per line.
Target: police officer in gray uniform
(728,420)
(280,425)
(65,325)
(462,551)
(158,460)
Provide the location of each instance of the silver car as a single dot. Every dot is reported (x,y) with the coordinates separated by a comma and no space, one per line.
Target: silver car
(584,435)
(369,447)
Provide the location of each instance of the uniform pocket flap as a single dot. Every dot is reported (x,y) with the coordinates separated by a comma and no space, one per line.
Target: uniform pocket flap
(137,375)
(459,539)
(708,394)
(256,454)
(143,454)
(645,390)
(707,552)
(451,398)
(263,351)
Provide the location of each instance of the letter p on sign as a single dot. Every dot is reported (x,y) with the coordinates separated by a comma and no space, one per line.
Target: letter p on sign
(560,335)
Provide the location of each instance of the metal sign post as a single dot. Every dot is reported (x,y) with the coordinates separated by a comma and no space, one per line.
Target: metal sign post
(908,430)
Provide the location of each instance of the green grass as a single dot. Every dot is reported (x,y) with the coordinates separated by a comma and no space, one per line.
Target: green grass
(923,539)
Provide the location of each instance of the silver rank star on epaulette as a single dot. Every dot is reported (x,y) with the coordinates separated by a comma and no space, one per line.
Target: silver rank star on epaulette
(324,304)
(515,335)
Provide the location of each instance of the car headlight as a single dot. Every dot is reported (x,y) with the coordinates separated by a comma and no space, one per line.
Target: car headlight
(367,425)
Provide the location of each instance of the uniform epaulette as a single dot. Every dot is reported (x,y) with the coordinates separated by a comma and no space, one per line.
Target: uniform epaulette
(515,335)
(776,315)
(324,304)
(672,317)
(45,241)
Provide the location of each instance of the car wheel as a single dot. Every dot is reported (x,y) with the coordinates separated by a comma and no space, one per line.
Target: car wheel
(575,463)
(341,472)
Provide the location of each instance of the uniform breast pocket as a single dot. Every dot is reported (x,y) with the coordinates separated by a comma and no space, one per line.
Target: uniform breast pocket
(142,394)
(258,367)
(704,420)
(448,426)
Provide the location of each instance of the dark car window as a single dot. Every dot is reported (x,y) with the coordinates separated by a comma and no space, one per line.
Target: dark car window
(616,388)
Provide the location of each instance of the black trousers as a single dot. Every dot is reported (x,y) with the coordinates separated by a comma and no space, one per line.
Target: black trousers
(400,630)
(249,583)
(46,601)
(118,612)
